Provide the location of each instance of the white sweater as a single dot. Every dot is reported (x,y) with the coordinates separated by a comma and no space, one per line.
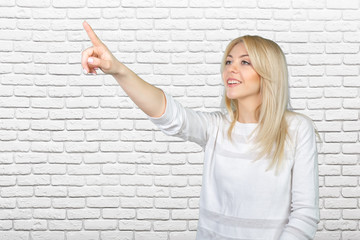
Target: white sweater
(239,199)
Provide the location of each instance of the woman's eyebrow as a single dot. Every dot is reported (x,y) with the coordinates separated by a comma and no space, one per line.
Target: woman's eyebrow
(245,55)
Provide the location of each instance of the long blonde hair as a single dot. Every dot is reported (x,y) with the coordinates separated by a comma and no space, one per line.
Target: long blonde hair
(268,60)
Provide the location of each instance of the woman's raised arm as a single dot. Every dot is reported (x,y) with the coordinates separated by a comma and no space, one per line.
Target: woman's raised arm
(148,98)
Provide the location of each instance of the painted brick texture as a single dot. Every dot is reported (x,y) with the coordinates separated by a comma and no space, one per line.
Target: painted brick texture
(78,160)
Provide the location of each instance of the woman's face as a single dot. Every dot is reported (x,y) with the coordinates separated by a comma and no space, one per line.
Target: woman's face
(240,79)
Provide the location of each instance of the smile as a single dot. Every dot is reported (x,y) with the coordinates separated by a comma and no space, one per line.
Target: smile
(233,82)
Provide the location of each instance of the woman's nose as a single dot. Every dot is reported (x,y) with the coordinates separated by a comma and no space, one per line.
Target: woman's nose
(234,68)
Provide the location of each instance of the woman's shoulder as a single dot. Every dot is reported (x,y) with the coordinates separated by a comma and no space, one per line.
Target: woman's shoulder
(299,121)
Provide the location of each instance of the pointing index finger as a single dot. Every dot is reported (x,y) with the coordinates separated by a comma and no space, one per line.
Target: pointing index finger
(92,35)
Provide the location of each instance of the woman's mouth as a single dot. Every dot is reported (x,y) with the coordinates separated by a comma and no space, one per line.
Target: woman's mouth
(233,82)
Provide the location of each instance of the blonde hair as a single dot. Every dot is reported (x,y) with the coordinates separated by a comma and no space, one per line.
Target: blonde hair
(268,60)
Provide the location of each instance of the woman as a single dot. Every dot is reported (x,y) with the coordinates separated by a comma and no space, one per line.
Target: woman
(260,178)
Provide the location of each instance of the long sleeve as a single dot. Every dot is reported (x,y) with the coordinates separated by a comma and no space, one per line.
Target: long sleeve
(304,215)
(185,123)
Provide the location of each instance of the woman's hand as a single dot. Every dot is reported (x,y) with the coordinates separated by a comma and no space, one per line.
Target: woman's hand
(98,56)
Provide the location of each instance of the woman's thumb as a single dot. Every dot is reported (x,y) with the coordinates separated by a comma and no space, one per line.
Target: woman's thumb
(99,63)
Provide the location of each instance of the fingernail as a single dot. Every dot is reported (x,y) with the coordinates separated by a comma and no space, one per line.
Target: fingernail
(84,71)
(90,60)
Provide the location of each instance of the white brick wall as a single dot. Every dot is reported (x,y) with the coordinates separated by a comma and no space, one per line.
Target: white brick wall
(79,161)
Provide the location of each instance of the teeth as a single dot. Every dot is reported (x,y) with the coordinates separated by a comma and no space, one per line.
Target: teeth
(233,82)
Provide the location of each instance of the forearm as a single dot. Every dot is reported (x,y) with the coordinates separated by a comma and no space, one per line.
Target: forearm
(148,98)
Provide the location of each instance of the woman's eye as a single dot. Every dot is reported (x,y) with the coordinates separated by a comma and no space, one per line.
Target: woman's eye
(245,62)
(228,62)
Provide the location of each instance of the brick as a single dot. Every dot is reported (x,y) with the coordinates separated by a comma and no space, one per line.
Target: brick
(102,181)
(329,235)
(351,82)
(171,181)
(329,170)
(352,148)
(185,214)
(351,126)
(170,226)
(136,180)
(188,147)
(68,4)
(350,235)
(92,158)
(61,180)
(341,137)
(340,225)
(333,4)
(137,4)
(118,213)
(153,192)
(29,3)
(7,3)
(330,214)
(65,114)
(14,169)
(84,169)
(330,103)
(153,170)
(341,115)
(136,136)
(6,181)
(208,24)
(5,225)
(143,214)
(164,203)
(116,147)
(33,180)
(324,14)
(114,235)
(351,192)
(340,26)
(68,203)
(151,235)
(340,203)
(50,191)
(340,92)
(169,159)
(76,125)
(333,59)
(51,103)
(134,225)
(68,225)
(47,147)
(340,159)
(332,37)
(84,191)
(151,147)
(66,136)
(89,235)
(181,193)
(100,224)
(214,13)
(33,202)
(7,203)
(50,214)
(182,235)
(44,13)
(18,235)
(30,158)
(28,225)
(351,214)
(351,37)
(340,181)
(146,35)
